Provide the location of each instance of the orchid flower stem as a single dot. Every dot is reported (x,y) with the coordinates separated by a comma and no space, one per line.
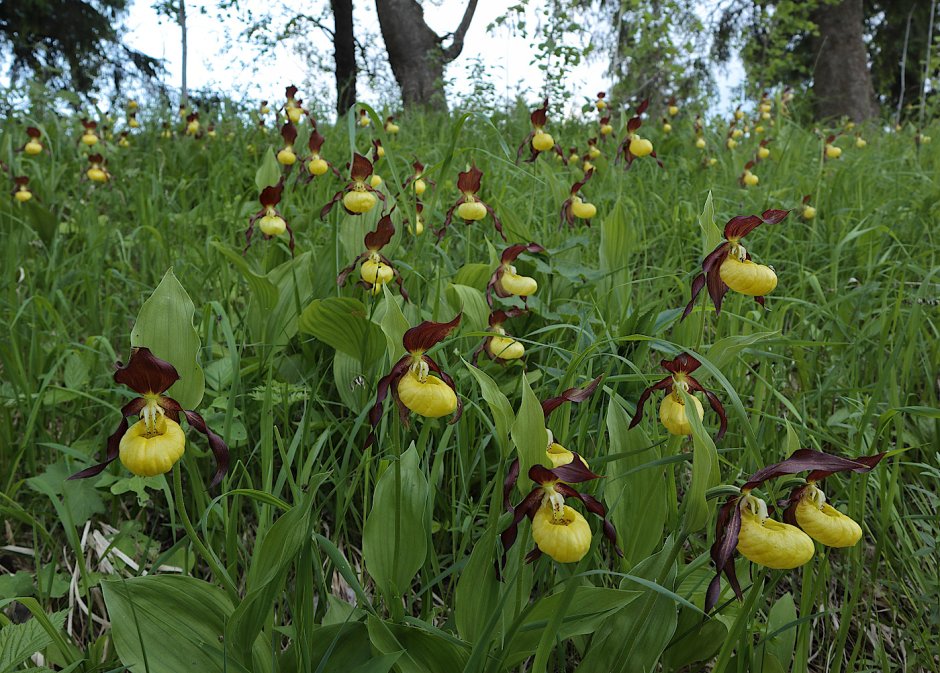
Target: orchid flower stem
(203,551)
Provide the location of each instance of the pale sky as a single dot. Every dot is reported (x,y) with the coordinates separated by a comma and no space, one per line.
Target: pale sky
(507,57)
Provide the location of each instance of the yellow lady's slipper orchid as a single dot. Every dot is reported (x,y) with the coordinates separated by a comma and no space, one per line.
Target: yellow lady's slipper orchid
(732,263)
(317,166)
(557,529)
(21,189)
(746,277)
(809,212)
(763,152)
(506,281)
(673,110)
(286,157)
(731,143)
(375,270)
(155,443)
(269,220)
(469,207)
(538,140)
(833,151)
(700,143)
(33,146)
(358,196)
(575,207)
(749,179)
(413,386)
(358,202)
(861,143)
(391,127)
(426,394)
(672,411)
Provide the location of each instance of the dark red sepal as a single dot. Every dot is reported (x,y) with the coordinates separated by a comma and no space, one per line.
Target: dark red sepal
(662,384)
(513,251)
(315,143)
(145,373)
(361,168)
(95,159)
(271,196)
(468,182)
(289,133)
(387,383)
(571,395)
(727,528)
(113,445)
(540,115)
(384,230)
(216,444)
(681,363)
(512,476)
(290,92)
(428,334)
(803,460)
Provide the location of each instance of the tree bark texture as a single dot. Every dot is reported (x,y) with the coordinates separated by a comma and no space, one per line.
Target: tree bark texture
(344,54)
(415,51)
(842,81)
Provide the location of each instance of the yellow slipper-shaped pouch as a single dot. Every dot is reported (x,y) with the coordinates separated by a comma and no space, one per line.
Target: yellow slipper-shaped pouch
(566,538)
(770,543)
(431,398)
(825,524)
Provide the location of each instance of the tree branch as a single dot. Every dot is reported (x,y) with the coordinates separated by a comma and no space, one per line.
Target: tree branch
(456,46)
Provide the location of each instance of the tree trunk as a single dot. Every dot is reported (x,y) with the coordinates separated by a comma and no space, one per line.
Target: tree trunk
(344,53)
(842,81)
(415,52)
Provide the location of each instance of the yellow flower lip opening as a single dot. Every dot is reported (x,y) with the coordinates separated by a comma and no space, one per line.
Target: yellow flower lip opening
(564,535)
(640,147)
(582,210)
(515,284)
(823,522)
(358,200)
(672,414)
(746,277)
(770,543)
(471,209)
(426,394)
(376,272)
(542,141)
(505,347)
(148,450)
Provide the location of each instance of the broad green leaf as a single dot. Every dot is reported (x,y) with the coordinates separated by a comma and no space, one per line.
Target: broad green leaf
(169,623)
(293,281)
(781,630)
(18,642)
(394,324)
(636,494)
(588,609)
(634,637)
(76,501)
(343,324)
(711,234)
(499,406)
(474,275)
(165,326)
(348,375)
(695,640)
(339,647)
(529,435)
(723,351)
(269,172)
(395,535)
(477,593)
(264,294)
(472,303)
(421,651)
(616,245)
(705,470)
